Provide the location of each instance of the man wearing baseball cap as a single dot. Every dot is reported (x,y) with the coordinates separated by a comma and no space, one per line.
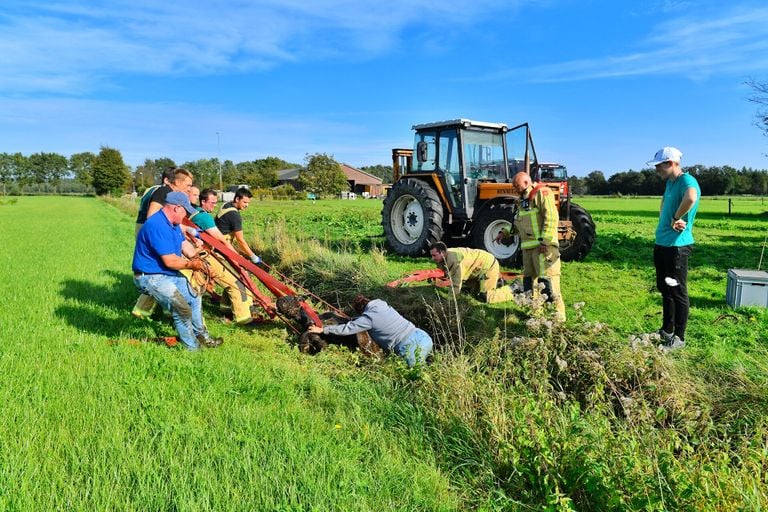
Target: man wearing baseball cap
(157,259)
(674,244)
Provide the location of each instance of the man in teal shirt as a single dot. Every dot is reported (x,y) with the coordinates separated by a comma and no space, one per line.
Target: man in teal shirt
(674,244)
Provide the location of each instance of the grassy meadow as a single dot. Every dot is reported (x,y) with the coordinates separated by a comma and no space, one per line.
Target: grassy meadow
(514,414)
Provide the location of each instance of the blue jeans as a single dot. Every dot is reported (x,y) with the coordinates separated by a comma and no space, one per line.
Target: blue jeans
(415,348)
(173,294)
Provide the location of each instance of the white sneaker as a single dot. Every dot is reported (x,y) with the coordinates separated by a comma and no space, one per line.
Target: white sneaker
(666,337)
(674,344)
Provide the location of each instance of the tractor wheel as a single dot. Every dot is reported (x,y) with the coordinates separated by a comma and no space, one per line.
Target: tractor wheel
(412,217)
(577,248)
(498,219)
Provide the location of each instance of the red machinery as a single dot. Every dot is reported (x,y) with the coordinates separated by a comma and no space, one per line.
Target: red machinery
(245,269)
(437,277)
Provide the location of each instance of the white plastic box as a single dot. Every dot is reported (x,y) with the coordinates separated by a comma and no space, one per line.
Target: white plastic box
(747,288)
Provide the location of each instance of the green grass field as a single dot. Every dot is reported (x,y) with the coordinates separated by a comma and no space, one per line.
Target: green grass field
(508,418)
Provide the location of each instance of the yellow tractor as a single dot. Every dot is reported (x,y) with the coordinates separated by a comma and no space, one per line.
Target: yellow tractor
(458,190)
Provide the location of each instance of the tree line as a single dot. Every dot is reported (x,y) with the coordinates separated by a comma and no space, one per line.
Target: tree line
(714,181)
(106,173)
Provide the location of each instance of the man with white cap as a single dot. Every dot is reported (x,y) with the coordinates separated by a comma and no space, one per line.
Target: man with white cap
(674,244)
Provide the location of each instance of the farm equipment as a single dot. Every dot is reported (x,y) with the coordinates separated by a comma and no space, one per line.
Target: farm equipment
(437,277)
(459,190)
(282,300)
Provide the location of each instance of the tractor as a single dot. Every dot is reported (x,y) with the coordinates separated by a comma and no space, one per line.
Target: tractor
(458,190)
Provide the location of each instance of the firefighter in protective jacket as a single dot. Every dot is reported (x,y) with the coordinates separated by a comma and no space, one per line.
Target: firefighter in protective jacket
(536,222)
(462,264)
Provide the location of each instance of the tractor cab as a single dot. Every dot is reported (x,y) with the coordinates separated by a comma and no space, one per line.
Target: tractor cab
(552,173)
(468,160)
(455,185)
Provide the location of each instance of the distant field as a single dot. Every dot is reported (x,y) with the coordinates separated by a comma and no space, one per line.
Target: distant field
(90,421)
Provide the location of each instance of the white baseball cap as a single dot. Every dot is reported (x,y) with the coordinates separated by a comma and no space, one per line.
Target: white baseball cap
(666,154)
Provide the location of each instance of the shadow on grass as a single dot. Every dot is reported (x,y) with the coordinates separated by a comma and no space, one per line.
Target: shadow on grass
(105,309)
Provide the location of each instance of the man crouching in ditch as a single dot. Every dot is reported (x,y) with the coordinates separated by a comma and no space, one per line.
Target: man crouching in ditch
(388,328)
(157,260)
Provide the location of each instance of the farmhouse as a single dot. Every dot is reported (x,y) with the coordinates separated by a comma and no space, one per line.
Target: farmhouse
(360,182)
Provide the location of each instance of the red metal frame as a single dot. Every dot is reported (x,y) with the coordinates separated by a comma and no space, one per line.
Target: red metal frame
(244,266)
(439,278)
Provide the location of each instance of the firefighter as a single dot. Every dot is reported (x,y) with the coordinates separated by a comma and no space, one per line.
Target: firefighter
(240,299)
(536,223)
(462,264)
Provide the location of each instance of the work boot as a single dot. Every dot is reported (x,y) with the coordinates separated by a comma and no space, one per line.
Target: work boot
(209,341)
(674,344)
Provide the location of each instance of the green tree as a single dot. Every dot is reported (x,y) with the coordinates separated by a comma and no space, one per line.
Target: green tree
(230,174)
(595,182)
(110,174)
(577,185)
(262,173)
(151,172)
(206,172)
(323,175)
(10,169)
(47,168)
(81,166)
(384,172)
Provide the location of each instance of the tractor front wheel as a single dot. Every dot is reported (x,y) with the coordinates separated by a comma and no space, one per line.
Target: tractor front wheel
(412,217)
(494,231)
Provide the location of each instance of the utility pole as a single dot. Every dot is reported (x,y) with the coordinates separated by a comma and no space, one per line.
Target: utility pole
(218,147)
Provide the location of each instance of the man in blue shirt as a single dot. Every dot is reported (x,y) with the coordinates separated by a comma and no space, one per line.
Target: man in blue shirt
(674,244)
(157,259)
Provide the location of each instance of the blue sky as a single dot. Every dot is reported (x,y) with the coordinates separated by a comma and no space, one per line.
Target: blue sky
(603,84)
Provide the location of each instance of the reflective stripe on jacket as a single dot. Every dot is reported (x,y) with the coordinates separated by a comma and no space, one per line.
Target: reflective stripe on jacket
(537,218)
(462,264)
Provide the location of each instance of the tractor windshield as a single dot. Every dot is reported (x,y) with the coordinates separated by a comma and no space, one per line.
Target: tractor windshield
(483,155)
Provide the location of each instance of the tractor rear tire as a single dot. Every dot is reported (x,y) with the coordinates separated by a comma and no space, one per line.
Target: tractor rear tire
(490,223)
(584,226)
(412,217)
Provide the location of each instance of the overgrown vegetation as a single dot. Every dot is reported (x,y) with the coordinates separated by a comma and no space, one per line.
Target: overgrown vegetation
(523,412)
(515,413)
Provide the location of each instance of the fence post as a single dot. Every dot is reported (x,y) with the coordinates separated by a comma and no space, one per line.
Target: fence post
(729,206)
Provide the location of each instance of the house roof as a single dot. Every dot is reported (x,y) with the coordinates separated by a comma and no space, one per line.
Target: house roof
(360,177)
(288,174)
(352,174)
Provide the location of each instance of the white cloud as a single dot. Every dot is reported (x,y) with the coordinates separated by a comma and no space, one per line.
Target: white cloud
(60,46)
(734,42)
